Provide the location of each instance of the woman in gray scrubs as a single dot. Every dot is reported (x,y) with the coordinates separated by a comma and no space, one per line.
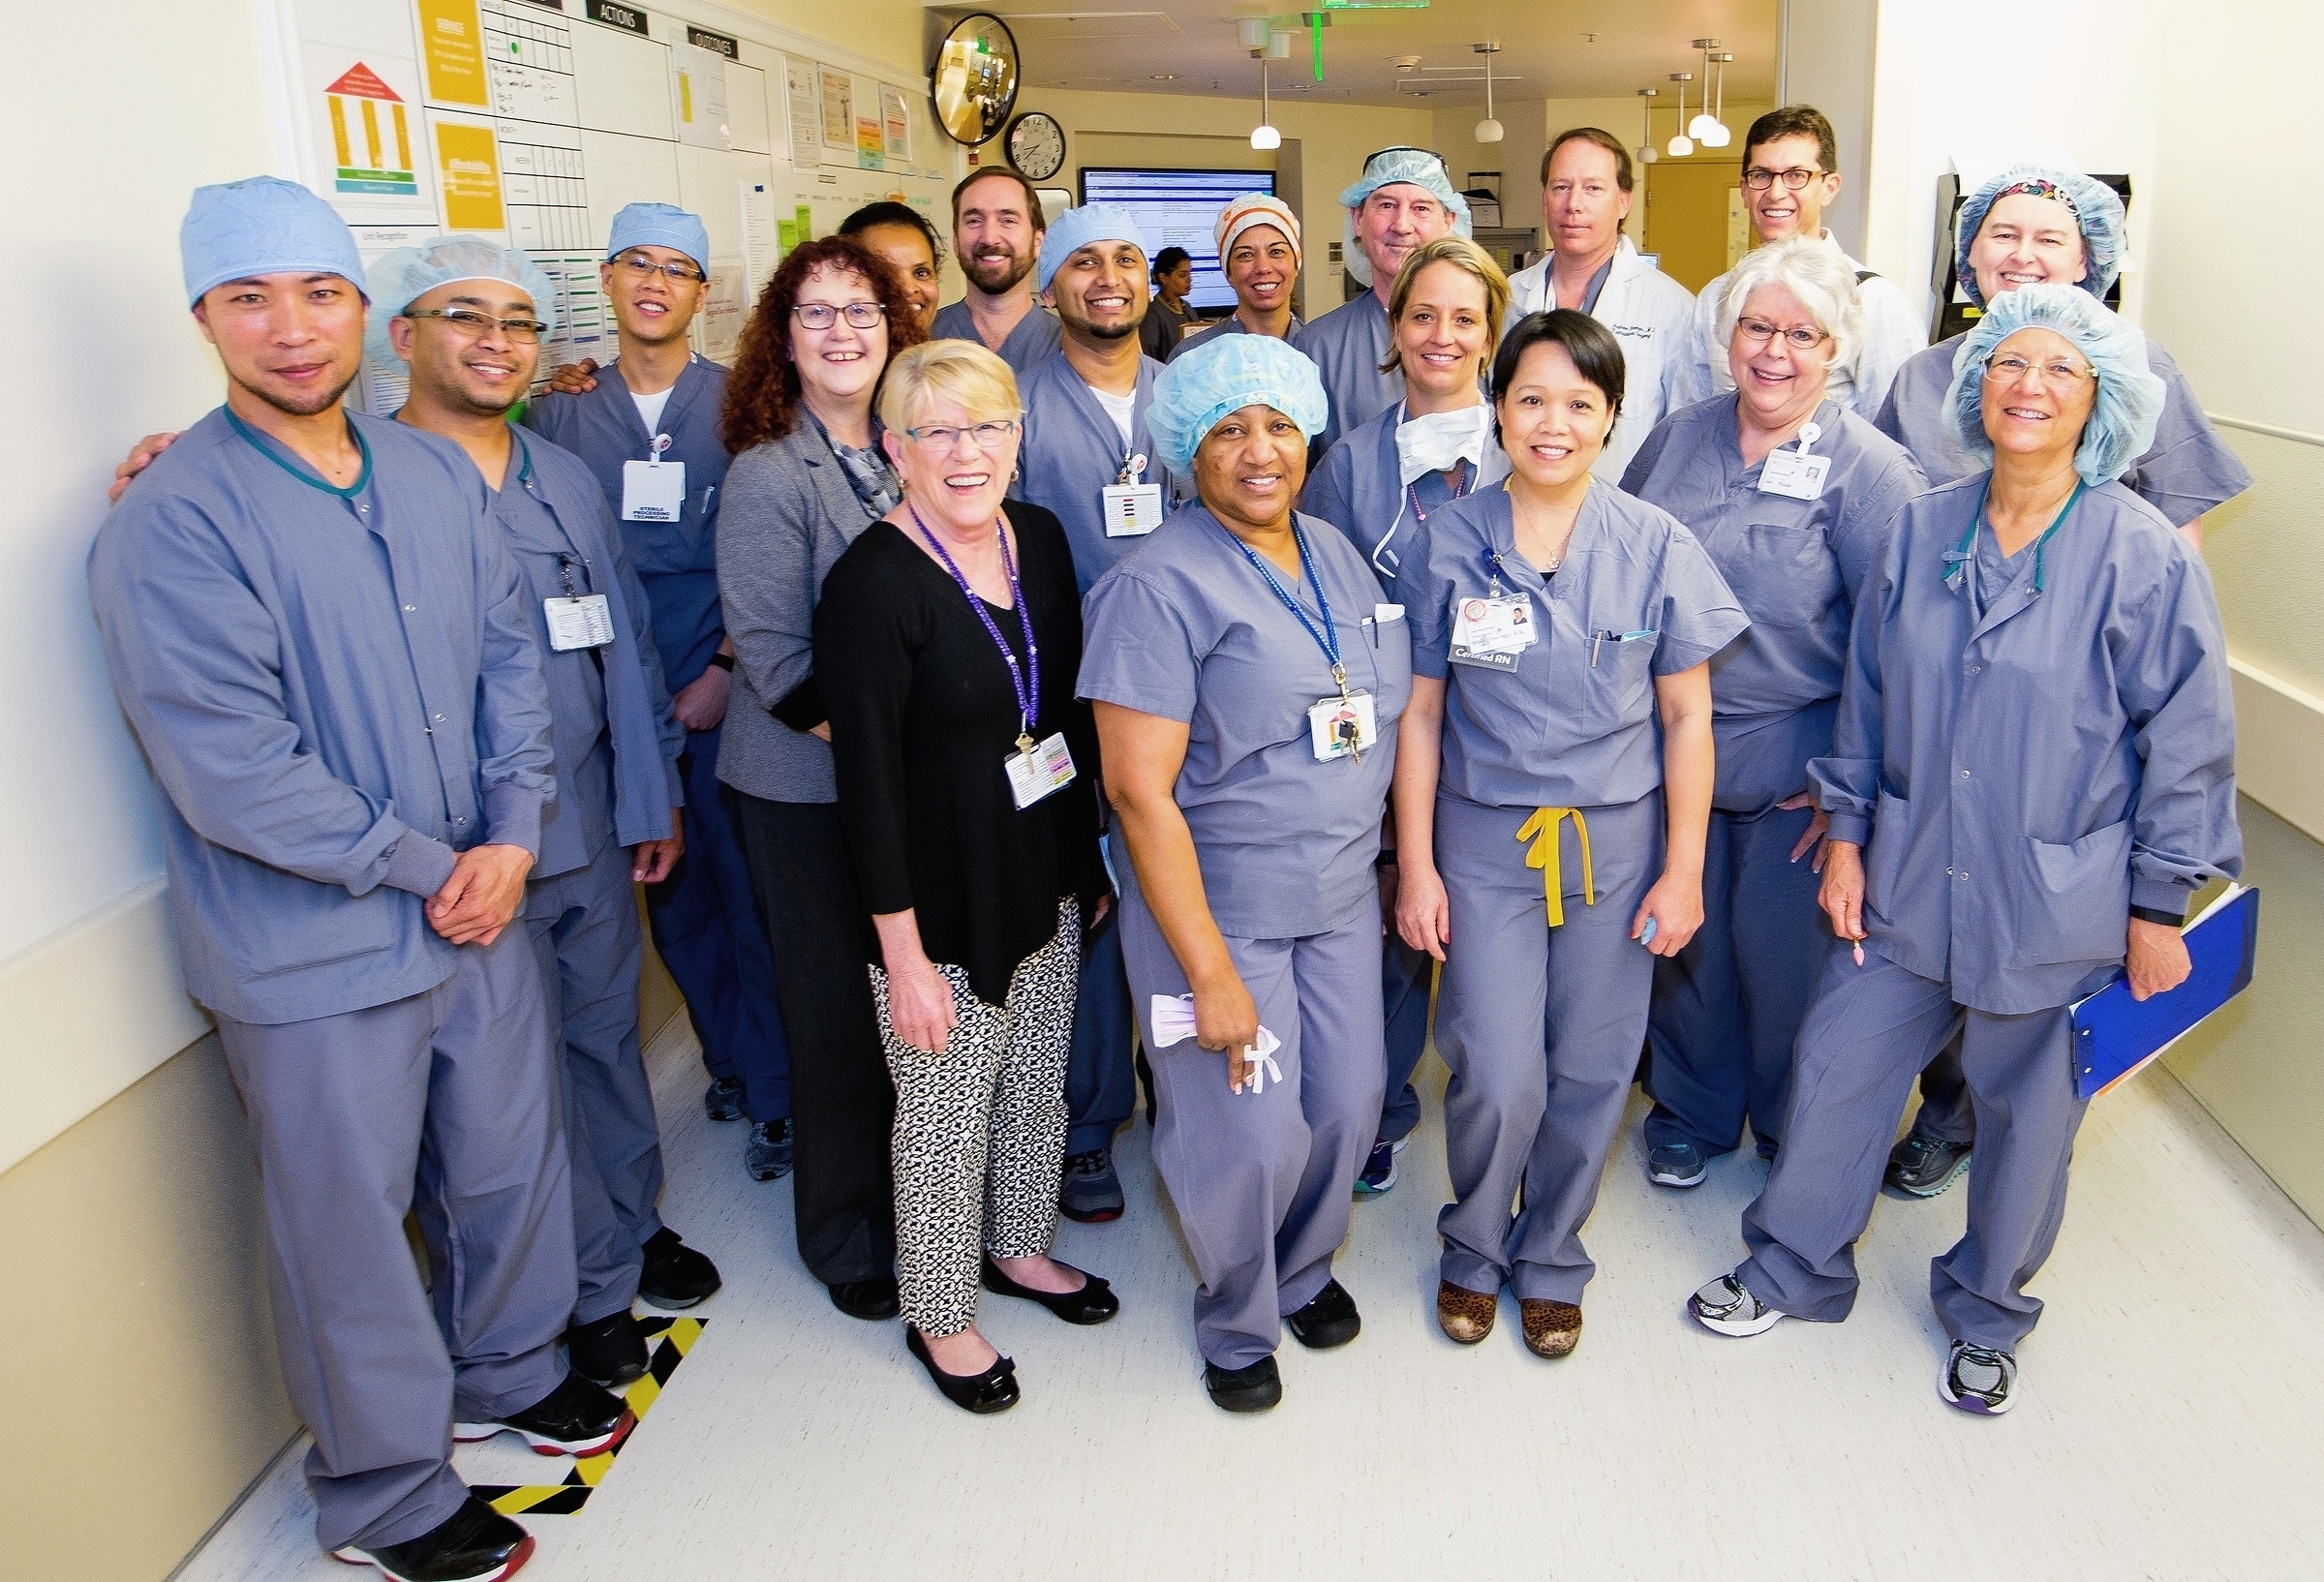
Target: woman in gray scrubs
(1555,623)
(2032,772)
(1792,496)
(1248,682)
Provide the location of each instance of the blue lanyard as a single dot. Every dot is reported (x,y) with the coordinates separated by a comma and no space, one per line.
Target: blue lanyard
(1026,698)
(1327,639)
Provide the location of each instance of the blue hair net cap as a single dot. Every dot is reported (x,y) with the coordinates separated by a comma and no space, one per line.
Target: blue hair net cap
(1077,228)
(1393,166)
(264,226)
(408,273)
(2130,396)
(1223,374)
(660,224)
(2095,205)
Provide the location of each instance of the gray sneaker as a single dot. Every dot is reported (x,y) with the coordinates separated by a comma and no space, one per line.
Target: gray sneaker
(1676,1165)
(1978,1380)
(1727,1307)
(1091,1193)
(1926,1165)
(767,1150)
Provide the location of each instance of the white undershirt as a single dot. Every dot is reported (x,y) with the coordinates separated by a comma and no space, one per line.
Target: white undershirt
(1122,408)
(649,407)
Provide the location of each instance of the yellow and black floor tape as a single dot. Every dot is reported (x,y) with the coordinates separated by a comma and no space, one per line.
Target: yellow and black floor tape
(668,1340)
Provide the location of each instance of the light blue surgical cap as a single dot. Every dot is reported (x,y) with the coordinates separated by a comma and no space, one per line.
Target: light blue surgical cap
(408,273)
(2130,397)
(2095,205)
(660,224)
(1410,166)
(264,226)
(1077,228)
(1226,372)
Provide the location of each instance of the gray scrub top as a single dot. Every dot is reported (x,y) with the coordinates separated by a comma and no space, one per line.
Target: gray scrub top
(2026,777)
(1034,341)
(1797,567)
(1232,325)
(1355,489)
(1189,630)
(336,690)
(1346,345)
(1072,452)
(617,742)
(2186,472)
(1560,730)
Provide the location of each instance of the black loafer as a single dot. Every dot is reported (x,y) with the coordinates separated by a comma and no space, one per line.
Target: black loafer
(1329,1320)
(983,1393)
(1255,1388)
(870,1300)
(1095,1303)
(476,1543)
(675,1275)
(610,1351)
(576,1419)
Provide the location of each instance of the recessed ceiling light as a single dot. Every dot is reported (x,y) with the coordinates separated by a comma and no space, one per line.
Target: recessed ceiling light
(1164,77)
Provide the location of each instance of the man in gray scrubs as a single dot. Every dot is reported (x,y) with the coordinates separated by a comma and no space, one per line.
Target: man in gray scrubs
(328,657)
(1402,200)
(996,234)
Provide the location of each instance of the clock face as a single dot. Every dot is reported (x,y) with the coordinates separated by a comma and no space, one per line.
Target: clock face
(1037,145)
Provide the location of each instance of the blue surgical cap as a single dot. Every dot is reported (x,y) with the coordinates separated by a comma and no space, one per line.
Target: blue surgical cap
(1223,374)
(2130,397)
(408,273)
(660,224)
(1390,167)
(1077,228)
(2094,203)
(264,226)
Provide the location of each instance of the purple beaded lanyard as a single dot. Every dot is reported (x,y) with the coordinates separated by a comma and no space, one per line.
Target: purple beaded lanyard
(1412,492)
(1027,697)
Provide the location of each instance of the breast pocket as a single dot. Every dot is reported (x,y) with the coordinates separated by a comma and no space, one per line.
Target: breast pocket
(1785,575)
(1617,676)
(659,548)
(1384,666)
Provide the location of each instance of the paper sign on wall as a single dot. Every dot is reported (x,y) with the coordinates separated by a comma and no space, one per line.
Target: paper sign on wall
(699,96)
(839,108)
(870,143)
(372,136)
(468,164)
(802,100)
(451,42)
(896,123)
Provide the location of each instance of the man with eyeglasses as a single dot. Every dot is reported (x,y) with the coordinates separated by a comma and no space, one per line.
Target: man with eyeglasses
(1790,176)
(706,929)
(1594,268)
(996,232)
(1090,457)
(326,651)
(1402,200)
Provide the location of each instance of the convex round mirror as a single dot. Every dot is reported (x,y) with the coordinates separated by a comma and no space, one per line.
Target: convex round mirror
(976,80)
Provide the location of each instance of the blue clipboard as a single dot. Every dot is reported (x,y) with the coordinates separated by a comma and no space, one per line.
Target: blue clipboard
(2116,1036)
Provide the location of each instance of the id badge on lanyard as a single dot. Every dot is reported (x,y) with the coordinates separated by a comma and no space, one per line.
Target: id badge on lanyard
(654,491)
(1492,630)
(1039,769)
(578,620)
(1794,474)
(1132,508)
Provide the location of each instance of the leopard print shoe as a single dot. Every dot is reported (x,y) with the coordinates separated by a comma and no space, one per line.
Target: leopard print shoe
(1552,1329)
(1464,1315)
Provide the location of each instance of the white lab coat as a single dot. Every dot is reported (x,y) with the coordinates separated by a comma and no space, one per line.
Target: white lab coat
(1649,314)
(1893,330)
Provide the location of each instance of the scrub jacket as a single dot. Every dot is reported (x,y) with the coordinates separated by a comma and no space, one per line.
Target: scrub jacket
(1072,451)
(1347,346)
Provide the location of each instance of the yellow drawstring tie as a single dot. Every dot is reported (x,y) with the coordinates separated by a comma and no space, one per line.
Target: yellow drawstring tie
(1541,829)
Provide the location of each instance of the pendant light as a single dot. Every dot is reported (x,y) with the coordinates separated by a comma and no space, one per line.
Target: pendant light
(1259,37)
(1647,152)
(1681,146)
(1489,130)
(1719,136)
(1704,123)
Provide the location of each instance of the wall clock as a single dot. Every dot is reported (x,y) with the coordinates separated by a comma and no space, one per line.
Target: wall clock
(1036,145)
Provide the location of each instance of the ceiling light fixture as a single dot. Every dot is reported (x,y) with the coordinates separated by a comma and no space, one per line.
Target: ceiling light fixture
(1489,130)
(1681,146)
(1701,126)
(1719,136)
(1259,37)
(1647,153)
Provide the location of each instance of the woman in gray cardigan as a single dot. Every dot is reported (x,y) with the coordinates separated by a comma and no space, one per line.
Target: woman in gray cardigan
(808,478)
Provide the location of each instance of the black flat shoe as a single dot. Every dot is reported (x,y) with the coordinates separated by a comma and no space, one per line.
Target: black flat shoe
(983,1393)
(1095,1303)
(609,1351)
(870,1300)
(1255,1388)
(1329,1320)
(675,1275)
(476,1543)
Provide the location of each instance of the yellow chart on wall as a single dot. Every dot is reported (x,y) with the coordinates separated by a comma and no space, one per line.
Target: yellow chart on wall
(451,42)
(468,164)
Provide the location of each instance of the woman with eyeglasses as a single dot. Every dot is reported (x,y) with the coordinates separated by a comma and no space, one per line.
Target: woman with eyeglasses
(1792,493)
(808,478)
(2032,772)
(946,643)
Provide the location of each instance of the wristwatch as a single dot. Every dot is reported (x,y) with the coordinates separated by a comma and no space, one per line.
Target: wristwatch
(1386,859)
(725,661)
(2156,914)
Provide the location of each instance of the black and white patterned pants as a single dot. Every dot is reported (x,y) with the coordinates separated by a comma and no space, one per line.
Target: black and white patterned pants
(980,1130)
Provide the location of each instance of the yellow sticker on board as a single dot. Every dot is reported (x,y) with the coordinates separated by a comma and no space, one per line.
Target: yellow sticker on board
(470,164)
(451,40)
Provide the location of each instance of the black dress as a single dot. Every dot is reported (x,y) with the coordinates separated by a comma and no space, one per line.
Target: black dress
(922,717)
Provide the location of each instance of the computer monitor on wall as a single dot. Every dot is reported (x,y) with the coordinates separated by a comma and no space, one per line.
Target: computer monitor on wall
(1177,208)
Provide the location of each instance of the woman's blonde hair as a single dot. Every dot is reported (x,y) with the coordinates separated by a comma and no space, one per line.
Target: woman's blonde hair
(1463,254)
(960,370)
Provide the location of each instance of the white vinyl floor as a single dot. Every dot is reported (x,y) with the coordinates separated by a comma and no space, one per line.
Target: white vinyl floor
(2169,1425)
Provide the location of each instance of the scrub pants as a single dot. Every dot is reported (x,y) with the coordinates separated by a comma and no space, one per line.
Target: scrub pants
(706,930)
(1404,980)
(1871,1028)
(1541,1028)
(1727,1008)
(1261,1180)
(445,1102)
(844,1106)
(586,938)
(1946,1112)
(1101,1085)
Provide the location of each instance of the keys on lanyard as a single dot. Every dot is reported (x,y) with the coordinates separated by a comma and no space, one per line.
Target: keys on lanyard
(1035,770)
(1337,727)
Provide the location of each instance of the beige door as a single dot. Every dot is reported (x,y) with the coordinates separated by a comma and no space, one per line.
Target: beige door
(1689,207)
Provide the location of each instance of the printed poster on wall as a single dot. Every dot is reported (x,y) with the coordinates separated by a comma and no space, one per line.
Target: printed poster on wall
(896,124)
(839,108)
(468,163)
(871,145)
(699,96)
(802,102)
(451,42)
(361,81)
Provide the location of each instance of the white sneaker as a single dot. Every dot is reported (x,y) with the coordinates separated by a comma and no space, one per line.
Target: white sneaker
(1725,1307)
(1977,1379)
